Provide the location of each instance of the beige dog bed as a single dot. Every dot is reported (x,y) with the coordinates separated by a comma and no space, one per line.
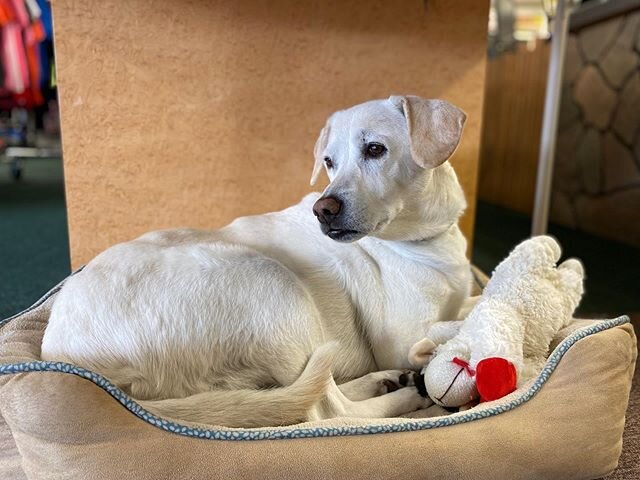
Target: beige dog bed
(72,423)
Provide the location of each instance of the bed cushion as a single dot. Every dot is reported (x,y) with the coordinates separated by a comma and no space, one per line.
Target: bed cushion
(567,423)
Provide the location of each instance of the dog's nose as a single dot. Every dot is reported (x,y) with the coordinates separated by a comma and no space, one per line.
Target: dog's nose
(326,209)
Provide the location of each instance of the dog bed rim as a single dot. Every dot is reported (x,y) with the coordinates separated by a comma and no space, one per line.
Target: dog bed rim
(293,431)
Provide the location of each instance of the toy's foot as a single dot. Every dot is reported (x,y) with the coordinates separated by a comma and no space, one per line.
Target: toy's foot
(541,251)
(571,281)
(530,279)
(535,255)
(572,265)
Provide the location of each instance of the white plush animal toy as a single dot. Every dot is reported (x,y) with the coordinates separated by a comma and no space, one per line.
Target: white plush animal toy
(504,341)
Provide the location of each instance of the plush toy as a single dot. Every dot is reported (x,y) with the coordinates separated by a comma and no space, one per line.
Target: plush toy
(504,341)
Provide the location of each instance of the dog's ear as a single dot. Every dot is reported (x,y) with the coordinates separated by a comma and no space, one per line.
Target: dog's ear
(318,151)
(435,128)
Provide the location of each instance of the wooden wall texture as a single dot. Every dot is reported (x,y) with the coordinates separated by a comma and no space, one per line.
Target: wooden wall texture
(194,112)
(515,88)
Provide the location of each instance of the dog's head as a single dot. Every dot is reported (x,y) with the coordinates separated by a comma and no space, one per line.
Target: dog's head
(386,163)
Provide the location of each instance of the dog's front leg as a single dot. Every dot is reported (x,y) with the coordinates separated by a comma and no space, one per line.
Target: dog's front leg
(375,384)
(393,404)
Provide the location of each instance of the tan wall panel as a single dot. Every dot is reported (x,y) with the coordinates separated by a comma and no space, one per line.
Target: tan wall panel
(195,112)
(515,87)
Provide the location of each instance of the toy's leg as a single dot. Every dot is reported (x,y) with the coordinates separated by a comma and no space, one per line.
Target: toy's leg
(571,274)
(467,306)
(442,332)
(530,255)
(377,383)
(437,334)
(421,352)
(542,250)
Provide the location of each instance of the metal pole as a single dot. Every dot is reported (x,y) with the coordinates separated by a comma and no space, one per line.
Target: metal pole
(550,120)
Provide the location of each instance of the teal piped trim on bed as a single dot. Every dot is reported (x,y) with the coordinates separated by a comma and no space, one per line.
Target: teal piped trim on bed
(281,433)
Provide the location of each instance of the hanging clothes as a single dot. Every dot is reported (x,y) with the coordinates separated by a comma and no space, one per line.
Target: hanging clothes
(26,51)
(14,59)
(46,46)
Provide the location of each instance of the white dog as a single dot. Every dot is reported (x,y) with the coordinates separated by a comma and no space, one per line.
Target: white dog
(245,326)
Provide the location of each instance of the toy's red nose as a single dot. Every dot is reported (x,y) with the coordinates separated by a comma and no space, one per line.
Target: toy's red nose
(495,378)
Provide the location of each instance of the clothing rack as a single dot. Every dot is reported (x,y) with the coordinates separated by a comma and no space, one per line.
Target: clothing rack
(27,83)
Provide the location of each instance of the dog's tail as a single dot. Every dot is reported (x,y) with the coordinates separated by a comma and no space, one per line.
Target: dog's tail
(255,408)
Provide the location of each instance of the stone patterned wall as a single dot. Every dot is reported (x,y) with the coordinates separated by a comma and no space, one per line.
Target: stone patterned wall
(597,170)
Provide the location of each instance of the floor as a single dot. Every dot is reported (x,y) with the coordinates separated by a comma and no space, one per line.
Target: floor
(629,464)
(612,268)
(34,256)
(33,234)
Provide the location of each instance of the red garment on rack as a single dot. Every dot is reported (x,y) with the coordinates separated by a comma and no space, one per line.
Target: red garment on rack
(21,37)
(33,35)
(21,14)
(14,60)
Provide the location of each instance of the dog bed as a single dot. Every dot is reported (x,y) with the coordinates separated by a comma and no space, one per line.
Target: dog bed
(567,423)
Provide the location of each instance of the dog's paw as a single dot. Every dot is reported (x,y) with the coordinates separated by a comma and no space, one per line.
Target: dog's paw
(394,380)
(421,401)
(408,378)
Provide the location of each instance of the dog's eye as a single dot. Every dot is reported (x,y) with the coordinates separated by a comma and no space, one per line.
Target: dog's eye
(328,162)
(375,150)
